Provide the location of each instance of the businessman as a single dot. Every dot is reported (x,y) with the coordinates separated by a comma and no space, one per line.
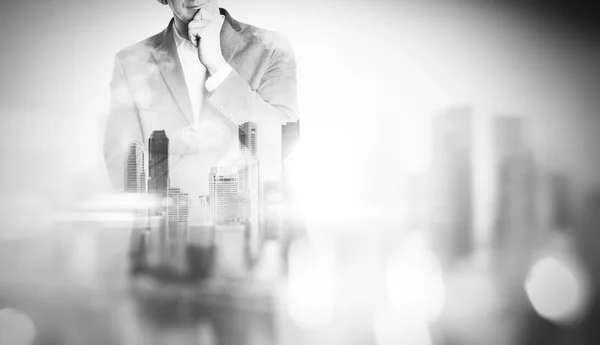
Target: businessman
(199,79)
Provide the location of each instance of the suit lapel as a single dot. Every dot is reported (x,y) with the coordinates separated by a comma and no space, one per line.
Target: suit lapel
(230,39)
(167,60)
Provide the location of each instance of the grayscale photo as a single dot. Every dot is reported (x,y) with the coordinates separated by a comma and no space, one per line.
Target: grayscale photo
(157,186)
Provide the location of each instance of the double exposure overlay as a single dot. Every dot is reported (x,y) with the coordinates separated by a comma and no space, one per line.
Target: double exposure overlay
(299,172)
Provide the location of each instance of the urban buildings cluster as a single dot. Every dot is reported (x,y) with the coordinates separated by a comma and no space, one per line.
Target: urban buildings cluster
(234,191)
(524,199)
(177,238)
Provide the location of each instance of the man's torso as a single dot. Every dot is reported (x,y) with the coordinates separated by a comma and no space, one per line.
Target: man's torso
(158,88)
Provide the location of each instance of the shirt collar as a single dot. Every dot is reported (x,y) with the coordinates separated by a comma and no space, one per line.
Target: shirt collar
(179,41)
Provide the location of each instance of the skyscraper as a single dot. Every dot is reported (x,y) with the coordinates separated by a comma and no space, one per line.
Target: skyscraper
(246,203)
(249,180)
(158,145)
(249,196)
(224,187)
(248,175)
(247,135)
(515,181)
(451,173)
(177,205)
(290,133)
(135,172)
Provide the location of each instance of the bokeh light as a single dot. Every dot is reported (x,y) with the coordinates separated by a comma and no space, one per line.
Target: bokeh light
(16,328)
(557,290)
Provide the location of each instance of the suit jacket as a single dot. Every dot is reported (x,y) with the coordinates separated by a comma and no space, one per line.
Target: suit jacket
(148,92)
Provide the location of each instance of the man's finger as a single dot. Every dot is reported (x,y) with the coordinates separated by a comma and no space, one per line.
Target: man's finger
(204,15)
(193,37)
(196,15)
(195,34)
(197,24)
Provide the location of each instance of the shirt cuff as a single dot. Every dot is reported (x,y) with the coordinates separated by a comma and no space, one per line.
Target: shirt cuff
(213,82)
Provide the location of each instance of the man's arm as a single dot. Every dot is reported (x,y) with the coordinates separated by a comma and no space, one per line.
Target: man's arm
(122,128)
(274,101)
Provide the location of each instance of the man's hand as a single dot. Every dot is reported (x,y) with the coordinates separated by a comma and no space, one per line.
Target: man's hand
(204,33)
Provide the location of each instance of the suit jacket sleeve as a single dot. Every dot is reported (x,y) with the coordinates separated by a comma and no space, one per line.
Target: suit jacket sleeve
(274,101)
(123,127)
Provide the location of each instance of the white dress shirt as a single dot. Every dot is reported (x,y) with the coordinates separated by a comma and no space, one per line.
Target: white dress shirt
(196,74)
(208,131)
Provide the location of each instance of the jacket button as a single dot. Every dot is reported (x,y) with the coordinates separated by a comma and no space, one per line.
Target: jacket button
(222,107)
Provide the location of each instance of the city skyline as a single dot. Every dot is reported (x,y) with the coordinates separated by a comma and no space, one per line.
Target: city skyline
(234,194)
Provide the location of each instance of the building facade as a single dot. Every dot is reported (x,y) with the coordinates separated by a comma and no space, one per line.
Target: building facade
(451,181)
(247,133)
(158,165)
(515,181)
(224,189)
(177,205)
(290,134)
(135,171)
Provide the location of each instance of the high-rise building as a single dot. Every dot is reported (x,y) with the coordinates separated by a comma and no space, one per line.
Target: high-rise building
(248,143)
(248,175)
(553,208)
(249,188)
(177,205)
(515,182)
(135,172)
(290,133)
(223,188)
(451,174)
(247,202)
(158,145)
(243,177)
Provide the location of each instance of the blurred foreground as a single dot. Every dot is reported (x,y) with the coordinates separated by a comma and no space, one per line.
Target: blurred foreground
(361,281)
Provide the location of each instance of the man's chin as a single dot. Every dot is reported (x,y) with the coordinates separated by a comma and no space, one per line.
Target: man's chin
(187,14)
(183,17)
(188,17)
